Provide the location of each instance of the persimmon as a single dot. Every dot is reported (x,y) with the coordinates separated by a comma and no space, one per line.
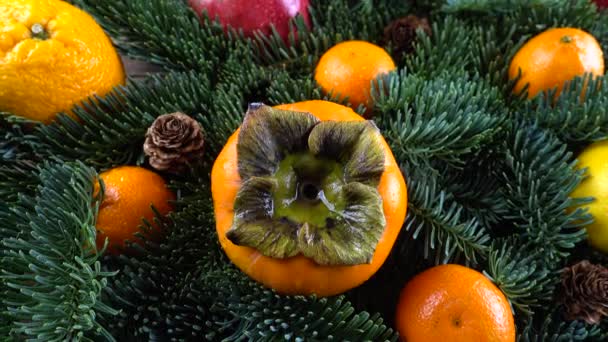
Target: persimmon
(308,198)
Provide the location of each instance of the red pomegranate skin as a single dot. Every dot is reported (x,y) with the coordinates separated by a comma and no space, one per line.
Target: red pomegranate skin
(601,3)
(252,15)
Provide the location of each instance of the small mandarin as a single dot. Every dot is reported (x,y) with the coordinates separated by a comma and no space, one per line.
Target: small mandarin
(130,193)
(453,303)
(348,69)
(554,57)
(52,56)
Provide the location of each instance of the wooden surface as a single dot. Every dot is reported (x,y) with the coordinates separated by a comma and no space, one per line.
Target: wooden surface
(139,69)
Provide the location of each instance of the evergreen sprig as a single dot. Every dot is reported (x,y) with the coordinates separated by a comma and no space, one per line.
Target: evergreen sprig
(260,314)
(538,179)
(447,51)
(17,178)
(188,294)
(332,22)
(530,17)
(554,13)
(110,131)
(437,221)
(553,328)
(51,277)
(521,275)
(489,175)
(155,281)
(579,114)
(476,190)
(13,142)
(445,118)
(498,6)
(175,40)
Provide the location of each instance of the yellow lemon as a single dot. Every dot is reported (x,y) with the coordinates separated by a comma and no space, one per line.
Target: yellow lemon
(595,159)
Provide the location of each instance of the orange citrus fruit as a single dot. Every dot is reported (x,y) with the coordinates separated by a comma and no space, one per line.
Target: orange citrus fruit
(299,274)
(52,55)
(554,57)
(130,193)
(349,67)
(453,303)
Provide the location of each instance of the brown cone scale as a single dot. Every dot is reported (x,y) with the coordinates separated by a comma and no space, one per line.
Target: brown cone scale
(401,33)
(585,292)
(173,141)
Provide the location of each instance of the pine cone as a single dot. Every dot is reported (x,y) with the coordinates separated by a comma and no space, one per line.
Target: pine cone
(172,141)
(401,33)
(585,292)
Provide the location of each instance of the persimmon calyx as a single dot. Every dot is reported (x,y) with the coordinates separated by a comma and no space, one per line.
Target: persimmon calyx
(308,187)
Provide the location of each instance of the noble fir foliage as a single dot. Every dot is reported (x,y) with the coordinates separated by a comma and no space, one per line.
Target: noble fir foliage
(489,175)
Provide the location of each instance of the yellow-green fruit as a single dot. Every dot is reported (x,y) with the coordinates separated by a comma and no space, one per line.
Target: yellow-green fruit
(595,159)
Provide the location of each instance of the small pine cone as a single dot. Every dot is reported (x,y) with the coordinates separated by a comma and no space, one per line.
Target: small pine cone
(585,292)
(401,33)
(172,141)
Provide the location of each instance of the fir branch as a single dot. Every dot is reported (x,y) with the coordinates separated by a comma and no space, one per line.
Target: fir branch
(538,179)
(17,178)
(289,90)
(440,120)
(553,328)
(566,13)
(244,83)
(360,19)
(530,17)
(110,130)
(185,288)
(516,21)
(254,83)
(405,261)
(573,118)
(497,6)
(262,315)
(155,281)
(443,118)
(476,190)
(492,50)
(520,275)
(436,219)
(332,22)
(446,51)
(51,275)
(164,32)
(13,132)
(600,32)
(460,47)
